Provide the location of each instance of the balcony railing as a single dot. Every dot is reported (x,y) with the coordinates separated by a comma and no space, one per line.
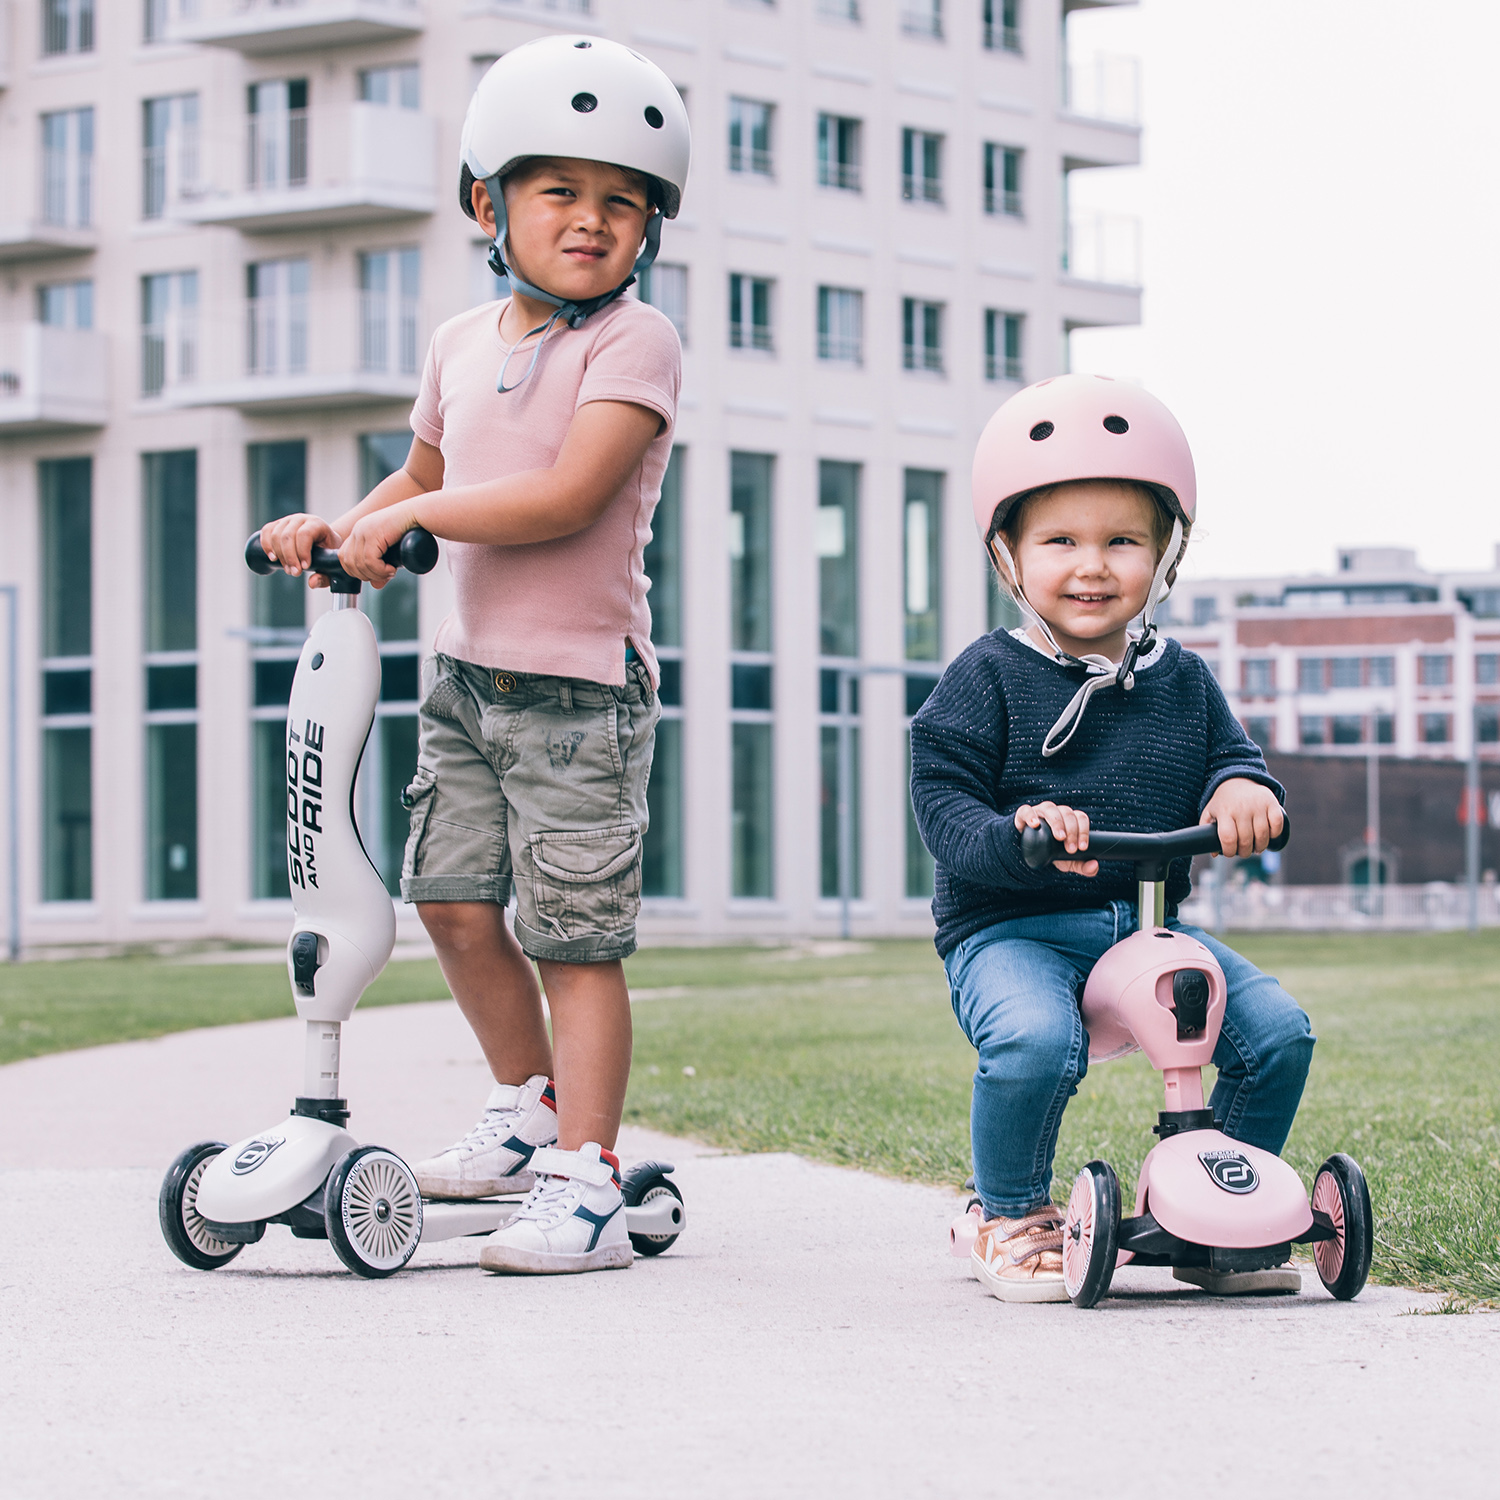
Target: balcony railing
(52,379)
(919,189)
(265,27)
(318,168)
(303,353)
(1104,248)
(1105,86)
(997,201)
(922,18)
(839,174)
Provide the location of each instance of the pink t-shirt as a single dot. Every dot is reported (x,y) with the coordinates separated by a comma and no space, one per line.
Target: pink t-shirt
(565,607)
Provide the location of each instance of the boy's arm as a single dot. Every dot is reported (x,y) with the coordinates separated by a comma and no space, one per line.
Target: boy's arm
(605,443)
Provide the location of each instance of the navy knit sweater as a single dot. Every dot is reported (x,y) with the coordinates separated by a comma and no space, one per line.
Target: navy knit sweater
(1143,762)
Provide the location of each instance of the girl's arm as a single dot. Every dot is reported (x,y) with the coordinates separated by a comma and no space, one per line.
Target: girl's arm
(605,444)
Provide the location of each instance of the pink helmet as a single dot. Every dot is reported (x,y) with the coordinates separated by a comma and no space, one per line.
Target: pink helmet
(1081,427)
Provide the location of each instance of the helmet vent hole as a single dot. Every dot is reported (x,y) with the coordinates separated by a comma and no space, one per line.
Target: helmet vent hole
(583,103)
(1040,431)
(653,117)
(581,45)
(1116,425)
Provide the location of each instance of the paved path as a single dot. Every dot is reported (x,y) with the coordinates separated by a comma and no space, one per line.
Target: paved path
(806,1337)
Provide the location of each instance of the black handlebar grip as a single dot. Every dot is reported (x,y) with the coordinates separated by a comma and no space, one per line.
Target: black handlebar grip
(255,557)
(1280,841)
(417,552)
(1039,848)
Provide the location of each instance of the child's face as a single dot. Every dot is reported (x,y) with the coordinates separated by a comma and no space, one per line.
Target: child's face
(1086,555)
(575,226)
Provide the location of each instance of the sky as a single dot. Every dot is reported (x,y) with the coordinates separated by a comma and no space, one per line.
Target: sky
(1321,257)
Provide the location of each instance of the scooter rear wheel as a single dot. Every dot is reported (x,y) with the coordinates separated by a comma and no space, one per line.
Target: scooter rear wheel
(644,1182)
(182,1225)
(1091,1234)
(1341,1192)
(373,1209)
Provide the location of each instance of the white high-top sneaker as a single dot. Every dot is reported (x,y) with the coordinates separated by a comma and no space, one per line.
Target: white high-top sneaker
(495,1156)
(574,1219)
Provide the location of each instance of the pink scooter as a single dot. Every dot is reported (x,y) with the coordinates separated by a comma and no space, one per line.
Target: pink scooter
(1204,1201)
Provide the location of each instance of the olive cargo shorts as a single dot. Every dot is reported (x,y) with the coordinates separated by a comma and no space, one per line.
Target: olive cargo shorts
(534,785)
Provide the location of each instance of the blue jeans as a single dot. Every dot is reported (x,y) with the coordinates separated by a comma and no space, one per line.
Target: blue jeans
(1016,990)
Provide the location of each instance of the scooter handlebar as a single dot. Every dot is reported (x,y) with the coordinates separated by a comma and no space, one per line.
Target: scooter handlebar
(1039,847)
(417,552)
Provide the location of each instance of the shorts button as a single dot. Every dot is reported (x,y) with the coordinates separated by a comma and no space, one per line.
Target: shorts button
(505,682)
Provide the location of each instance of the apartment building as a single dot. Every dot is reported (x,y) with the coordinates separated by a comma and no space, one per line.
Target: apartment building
(229,231)
(1379,656)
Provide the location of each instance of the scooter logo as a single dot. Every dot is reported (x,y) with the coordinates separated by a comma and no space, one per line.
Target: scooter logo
(253,1156)
(1230,1171)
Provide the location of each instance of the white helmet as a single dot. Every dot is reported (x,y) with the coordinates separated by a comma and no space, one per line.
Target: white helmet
(578,96)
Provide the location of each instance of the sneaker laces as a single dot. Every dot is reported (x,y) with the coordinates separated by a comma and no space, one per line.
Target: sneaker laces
(550,1201)
(496,1122)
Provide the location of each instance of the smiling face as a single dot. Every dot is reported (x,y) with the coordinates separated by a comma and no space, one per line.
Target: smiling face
(1086,553)
(575,227)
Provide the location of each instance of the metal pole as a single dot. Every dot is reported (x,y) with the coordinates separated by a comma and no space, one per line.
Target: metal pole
(1471,819)
(12,794)
(846,820)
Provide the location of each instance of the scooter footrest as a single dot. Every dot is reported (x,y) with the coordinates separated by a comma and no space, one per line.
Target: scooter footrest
(1261,1258)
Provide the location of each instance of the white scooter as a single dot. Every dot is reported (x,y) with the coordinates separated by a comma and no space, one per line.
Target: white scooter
(307,1171)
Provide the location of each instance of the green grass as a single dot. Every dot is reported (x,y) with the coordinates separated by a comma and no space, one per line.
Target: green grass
(856,1059)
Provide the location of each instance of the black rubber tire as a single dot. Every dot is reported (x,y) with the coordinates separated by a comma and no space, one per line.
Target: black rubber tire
(1087,1287)
(176,1210)
(373,1211)
(1345,1275)
(649,1179)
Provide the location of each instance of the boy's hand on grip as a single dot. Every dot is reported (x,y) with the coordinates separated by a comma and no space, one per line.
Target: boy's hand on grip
(1069,827)
(290,540)
(363,553)
(1247,814)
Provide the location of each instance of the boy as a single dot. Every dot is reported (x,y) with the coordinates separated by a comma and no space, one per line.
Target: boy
(1084,494)
(539,707)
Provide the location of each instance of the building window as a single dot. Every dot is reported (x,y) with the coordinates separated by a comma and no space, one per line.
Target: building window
(1262,730)
(922,335)
(66,304)
(837,535)
(1311,677)
(1312,729)
(1385,729)
(390,758)
(388,289)
(923,564)
(839,10)
(159,15)
(750,136)
(1380,671)
(396,87)
(67,26)
(922,18)
(1344,671)
(1483,604)
(169,163)
(169,330)
(750,312)
(1487,668)
(921,166)
(1258,677)
(1348,729)
(1434,671)
(750,669)
(1002,26)
(841,325)
(665,287)
(1487,726)
(838,152)
(1002,180)
(1002,345)
(169,483)
(278,135)
(484,284)
(66,490)
(68,168)
(1205,609)
(278,487)
(1436,729)
(662,846)
(276,317)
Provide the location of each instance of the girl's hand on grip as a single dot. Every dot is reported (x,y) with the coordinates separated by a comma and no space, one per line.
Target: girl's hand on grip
(1069,827)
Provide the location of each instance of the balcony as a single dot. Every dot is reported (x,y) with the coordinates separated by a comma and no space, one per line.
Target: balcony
(292,354)
(52,379)
(1105,88)
(320,169)
(263,28)
(1105,250)
(38,241)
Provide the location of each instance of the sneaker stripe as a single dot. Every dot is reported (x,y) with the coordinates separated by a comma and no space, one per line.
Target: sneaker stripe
(597,1220)
(614,1163)
(523,1149)
(549,1096)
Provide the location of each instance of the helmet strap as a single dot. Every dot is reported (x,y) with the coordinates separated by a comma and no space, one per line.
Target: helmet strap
(572,313)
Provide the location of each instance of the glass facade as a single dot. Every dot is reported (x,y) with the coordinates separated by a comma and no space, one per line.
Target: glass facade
(66,491)
(751,685)
(837,538)
(169,484)
(923,564)
(662,852)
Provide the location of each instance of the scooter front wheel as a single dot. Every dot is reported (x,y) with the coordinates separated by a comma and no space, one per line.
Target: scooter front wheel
(1091,1234)
(182,1225)
(1341,1192)
(373,1209)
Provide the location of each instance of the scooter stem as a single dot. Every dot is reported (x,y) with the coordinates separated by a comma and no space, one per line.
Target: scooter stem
(1151,904)
(1184,1088)
(320,1075)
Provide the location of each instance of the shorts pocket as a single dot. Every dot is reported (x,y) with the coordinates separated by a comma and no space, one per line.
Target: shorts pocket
(418,797)
(587,883)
